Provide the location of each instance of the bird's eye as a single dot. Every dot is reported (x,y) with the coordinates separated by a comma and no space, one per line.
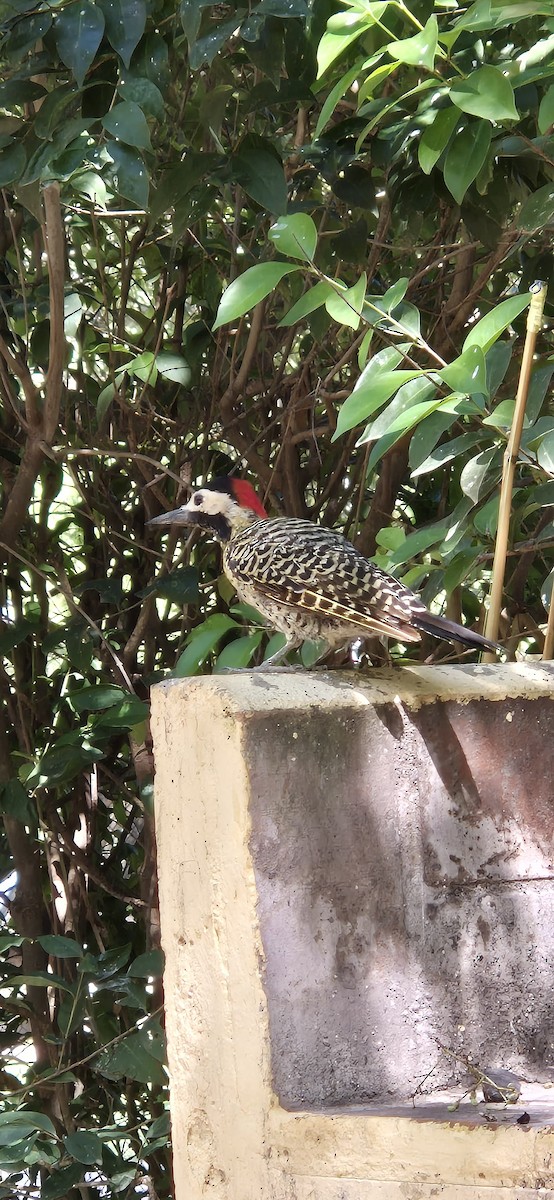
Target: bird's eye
(197,499)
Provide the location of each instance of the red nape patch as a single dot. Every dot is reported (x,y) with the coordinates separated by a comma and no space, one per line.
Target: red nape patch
(245,495)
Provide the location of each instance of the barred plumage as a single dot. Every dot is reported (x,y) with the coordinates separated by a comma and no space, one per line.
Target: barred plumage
(307,581)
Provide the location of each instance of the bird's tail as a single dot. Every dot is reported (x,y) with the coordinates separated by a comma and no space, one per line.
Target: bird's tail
(449,631)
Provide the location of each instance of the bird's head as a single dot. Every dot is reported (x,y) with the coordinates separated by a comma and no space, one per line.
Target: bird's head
(222,506)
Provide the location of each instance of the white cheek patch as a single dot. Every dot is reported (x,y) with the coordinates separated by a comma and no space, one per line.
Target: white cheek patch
(214,504)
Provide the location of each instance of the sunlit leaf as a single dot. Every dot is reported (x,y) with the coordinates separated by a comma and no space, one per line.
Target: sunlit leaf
(239,652)
(485,93)
(245,292)
(545,117)
(370,396)
(346,306)
(467,373)
(201,643)
(545,454)
(420,50)
(485,332)
(538,209)
(343,28)
(295,235)
(478,470)
(314,298)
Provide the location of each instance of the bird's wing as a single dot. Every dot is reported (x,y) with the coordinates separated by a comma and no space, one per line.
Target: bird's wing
(316,570)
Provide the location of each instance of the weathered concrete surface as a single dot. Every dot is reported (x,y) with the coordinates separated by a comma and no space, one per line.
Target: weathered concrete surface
(354,873)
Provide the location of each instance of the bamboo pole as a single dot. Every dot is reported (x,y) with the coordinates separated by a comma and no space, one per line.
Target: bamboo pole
(548,651)
(534,322)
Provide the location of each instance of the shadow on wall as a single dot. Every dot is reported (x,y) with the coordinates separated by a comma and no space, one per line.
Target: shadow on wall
(406,900)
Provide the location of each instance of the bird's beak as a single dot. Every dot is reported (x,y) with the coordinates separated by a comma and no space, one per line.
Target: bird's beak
(179,516)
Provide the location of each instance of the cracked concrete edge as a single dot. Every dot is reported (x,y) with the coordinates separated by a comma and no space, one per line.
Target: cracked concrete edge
(250,692)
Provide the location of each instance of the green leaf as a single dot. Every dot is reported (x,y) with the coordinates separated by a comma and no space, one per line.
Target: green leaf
(133,1059)
(477,471)
(312,299)
(125,23)
(7,940)
(329,105)
(365,399)
(26,1121)
(205,49)
(104,402)
(201,643)
(148,965)
(238,653)
(257,168)
(418,542)
(545,118)
(467,374)
(489,328)
(12,163)
(295,235)
(410,396)
(247,291)
(485,519)
(342,30)
(26,33)
(144,93)
(96,697)
(465,157)
(61,764)
(346,306)
(436,137)
(60,947)
(538,387)
(86,1147)
(538,209)
(502,415)
(446,452)
(498,359)
(129,173)
(545,454)
(60,1184)
(396,430)
(36,979)
(486,93)
(78,30)
(126,122)
(17,92)
(16,802)
(174,368)
(427,434)
(190,13)
(420,50)
(180,586)
(125,715)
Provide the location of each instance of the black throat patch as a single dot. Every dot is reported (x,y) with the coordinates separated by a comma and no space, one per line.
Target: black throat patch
(215,522)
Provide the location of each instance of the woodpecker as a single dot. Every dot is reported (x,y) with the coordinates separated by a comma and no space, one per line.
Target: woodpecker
(306,581)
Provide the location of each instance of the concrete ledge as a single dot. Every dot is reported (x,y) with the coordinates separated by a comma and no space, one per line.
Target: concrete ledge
(355,870)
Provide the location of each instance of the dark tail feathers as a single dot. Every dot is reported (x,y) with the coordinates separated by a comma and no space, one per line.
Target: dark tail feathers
(449,631)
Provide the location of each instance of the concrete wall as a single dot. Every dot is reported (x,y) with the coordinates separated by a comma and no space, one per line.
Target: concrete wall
(356,878)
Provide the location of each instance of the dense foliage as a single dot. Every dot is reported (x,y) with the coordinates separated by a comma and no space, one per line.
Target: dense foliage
(370,188)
